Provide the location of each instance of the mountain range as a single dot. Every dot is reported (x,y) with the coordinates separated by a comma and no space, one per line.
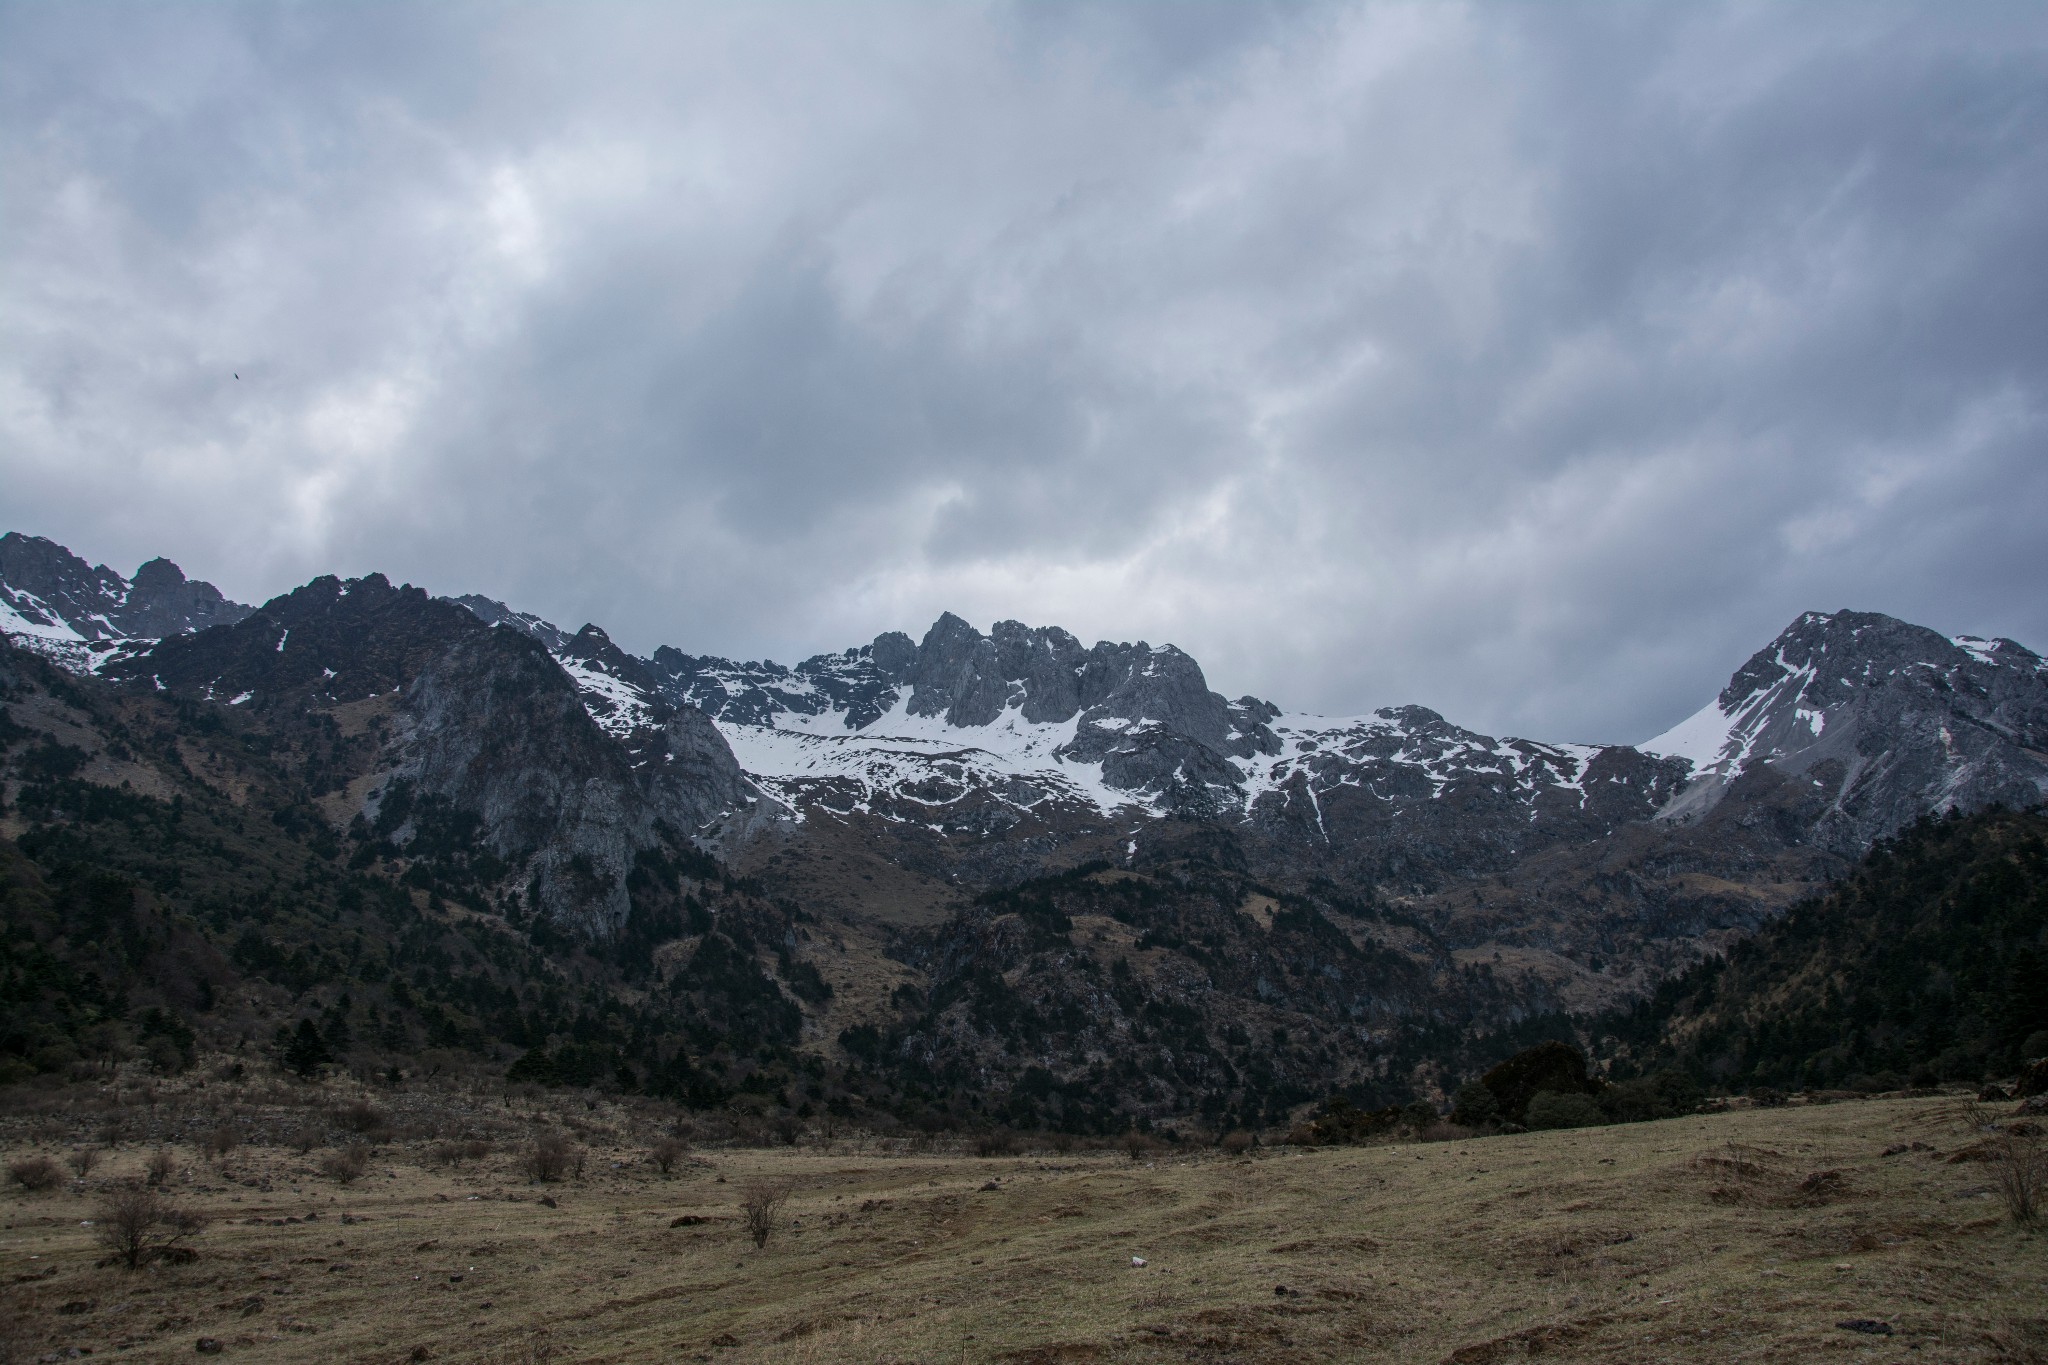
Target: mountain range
(928,812)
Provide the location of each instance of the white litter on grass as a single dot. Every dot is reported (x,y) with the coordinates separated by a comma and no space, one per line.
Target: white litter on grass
(1137,1262)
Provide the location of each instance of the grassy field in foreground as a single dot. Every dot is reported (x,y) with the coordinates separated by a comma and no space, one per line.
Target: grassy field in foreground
(1742,1236)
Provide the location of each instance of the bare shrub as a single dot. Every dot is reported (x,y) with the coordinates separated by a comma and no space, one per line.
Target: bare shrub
(995,1142)
(221,1142)
(1063,1143)
(35,1174)
(1140,1145)
(2019,1167)
(455,1151)
(347,1165)
(1237,1143)
(137,1225)
(360,1116)
(83,1161)
(551,1158)
(162,1168)
(667,1153)
(761,1204)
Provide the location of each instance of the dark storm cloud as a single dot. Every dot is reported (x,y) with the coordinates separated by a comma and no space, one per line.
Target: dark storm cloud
(1532,362)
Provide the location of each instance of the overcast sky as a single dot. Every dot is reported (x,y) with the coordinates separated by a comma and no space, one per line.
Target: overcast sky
(1533,362)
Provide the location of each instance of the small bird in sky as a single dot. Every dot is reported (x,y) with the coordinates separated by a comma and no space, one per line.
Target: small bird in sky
(238,376)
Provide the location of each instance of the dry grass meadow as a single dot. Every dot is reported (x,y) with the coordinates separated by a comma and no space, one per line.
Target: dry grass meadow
(1749,1235)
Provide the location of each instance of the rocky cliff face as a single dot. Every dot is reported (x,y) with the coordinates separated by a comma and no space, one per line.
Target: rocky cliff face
(482,719)
(496,729)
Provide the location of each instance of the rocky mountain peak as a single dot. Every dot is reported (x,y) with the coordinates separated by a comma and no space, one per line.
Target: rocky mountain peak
(48,593)
(333,639)
(495,613)
(1885,718)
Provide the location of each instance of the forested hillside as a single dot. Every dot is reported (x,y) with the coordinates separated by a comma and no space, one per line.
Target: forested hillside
(1928,962)
(171,883)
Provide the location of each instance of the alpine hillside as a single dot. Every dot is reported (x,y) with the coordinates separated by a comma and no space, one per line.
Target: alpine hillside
(976,876)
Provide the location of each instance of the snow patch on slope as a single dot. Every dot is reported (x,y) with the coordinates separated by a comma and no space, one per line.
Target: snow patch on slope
(617,706)
(924,758)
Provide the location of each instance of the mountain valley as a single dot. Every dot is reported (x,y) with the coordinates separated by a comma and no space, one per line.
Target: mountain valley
(979,878)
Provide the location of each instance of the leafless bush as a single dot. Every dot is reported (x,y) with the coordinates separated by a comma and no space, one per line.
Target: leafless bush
(83,1161)
(995,1142)
(137,1225)
(360,1116)
(162,1168)
(347,1165)
(667,1153)
(1237,1143)
(35,1174)
(1062,1143)
(221,1142)
(455,1151)
(2019,1167)
(1140,1145)
(761,1204)
(552,1157)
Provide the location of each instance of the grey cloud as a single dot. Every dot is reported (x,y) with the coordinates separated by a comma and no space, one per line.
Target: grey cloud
(1532,362)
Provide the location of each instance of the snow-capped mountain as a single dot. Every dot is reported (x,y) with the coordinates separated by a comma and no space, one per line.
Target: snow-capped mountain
(966,732)
(1886,719)
(1026,729)
(82,615)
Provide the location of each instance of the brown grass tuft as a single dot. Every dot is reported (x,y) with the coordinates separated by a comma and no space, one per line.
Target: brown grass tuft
(2019,1169)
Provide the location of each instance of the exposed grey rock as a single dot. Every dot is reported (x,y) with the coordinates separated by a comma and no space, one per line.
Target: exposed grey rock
(498,614)
(49,585)
(1884,721)
(894,655)
(957,675)
(489,722)
(498,729)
